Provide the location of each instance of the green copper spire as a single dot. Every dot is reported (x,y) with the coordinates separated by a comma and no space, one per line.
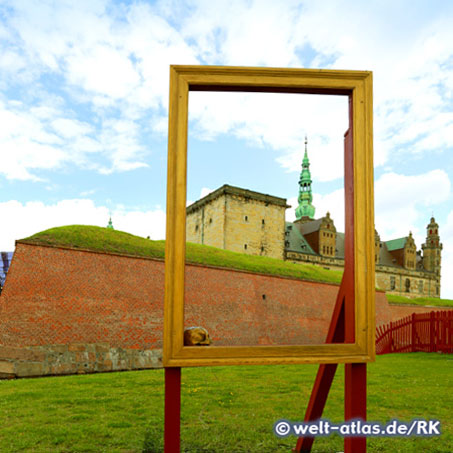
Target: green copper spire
(305,208)
(110,225)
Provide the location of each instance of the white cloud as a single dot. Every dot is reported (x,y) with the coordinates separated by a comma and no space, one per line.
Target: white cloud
(205,191)
(332,202)
(402,202)
(44,138)
(446,236)
(112,55)
(278,121)
(25,219)
(103,70)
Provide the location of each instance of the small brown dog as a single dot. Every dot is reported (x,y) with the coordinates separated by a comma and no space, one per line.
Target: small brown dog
(196,336)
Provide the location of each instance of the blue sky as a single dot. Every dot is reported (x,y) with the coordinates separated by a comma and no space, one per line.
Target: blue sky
(84,105)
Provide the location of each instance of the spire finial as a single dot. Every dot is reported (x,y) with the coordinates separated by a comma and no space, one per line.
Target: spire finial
(305,208)
(110,224)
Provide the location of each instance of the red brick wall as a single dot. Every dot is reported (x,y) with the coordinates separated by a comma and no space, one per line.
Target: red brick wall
(56,296)
(401,311)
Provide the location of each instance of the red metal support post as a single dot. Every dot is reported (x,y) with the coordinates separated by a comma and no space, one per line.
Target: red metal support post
(172,423)
(355,403)
(432,347)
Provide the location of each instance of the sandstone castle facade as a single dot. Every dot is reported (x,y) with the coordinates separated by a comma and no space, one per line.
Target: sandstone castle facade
(249,222)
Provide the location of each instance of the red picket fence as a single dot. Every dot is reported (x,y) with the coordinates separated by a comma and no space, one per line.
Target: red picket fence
(428,332)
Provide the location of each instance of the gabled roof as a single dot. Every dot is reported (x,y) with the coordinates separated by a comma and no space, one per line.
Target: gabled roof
(308,227)
(385,258)
(339,245)
(396,244)
(297,243)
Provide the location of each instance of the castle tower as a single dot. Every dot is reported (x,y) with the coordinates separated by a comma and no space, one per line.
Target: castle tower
(432,248)
(410,253)
(305,210)
(327,237)
(110,224)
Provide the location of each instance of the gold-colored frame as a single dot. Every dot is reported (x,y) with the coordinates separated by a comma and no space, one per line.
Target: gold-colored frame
(355,84)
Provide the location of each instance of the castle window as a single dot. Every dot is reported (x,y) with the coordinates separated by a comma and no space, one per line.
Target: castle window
(420,286)
(196,227)
(262,221)
(407,284)
(392,283)
(210,220)
(437,290)
(264,296)
(331,250)
(262,248)
(246,218)
(430,231)
(323,249)
(286,243)
(435,231)
(245,246)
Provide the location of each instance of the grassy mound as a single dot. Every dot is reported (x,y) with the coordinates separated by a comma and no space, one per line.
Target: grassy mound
(112,241)
(435,302)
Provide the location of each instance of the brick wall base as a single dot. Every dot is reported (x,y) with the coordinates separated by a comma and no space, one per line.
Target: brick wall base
(74,358)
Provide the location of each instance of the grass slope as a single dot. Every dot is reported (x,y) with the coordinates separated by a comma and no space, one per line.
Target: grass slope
(224,409)
(113,241)
(393,299)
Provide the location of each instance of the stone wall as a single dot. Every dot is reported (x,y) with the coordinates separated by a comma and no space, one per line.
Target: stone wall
(422,284)
(205,225)
(72,358)
(254,227)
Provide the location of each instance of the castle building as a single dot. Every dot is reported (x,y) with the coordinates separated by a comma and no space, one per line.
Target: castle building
(250,222)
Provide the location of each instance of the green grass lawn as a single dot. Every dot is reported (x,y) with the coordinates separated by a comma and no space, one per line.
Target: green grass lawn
(224,409)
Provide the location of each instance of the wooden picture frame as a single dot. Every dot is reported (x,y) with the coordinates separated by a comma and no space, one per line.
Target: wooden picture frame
(360,334)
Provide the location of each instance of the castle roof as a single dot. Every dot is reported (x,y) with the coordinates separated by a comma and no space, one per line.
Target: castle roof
(294,241)
(297,243)
(308,227)
(231,190)
(396,244)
